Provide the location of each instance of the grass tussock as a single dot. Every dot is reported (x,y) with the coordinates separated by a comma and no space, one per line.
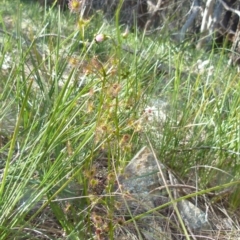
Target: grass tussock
(80,96)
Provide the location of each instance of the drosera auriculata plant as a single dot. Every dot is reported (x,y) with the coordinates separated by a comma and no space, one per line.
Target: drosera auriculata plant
(83,96)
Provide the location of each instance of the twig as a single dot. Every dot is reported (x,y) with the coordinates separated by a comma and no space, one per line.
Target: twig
(208,148)
(229,8)
(195,10)
(181,186)
(206,22)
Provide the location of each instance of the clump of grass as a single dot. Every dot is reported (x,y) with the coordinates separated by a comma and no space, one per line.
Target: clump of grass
(68,113)
(75,108)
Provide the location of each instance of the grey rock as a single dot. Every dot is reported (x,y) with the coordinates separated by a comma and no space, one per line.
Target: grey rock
(141,188)
(193,216)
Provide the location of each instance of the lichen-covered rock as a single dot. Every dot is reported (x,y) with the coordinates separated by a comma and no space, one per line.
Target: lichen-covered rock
(142,187)
(139,182)
(193,216)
